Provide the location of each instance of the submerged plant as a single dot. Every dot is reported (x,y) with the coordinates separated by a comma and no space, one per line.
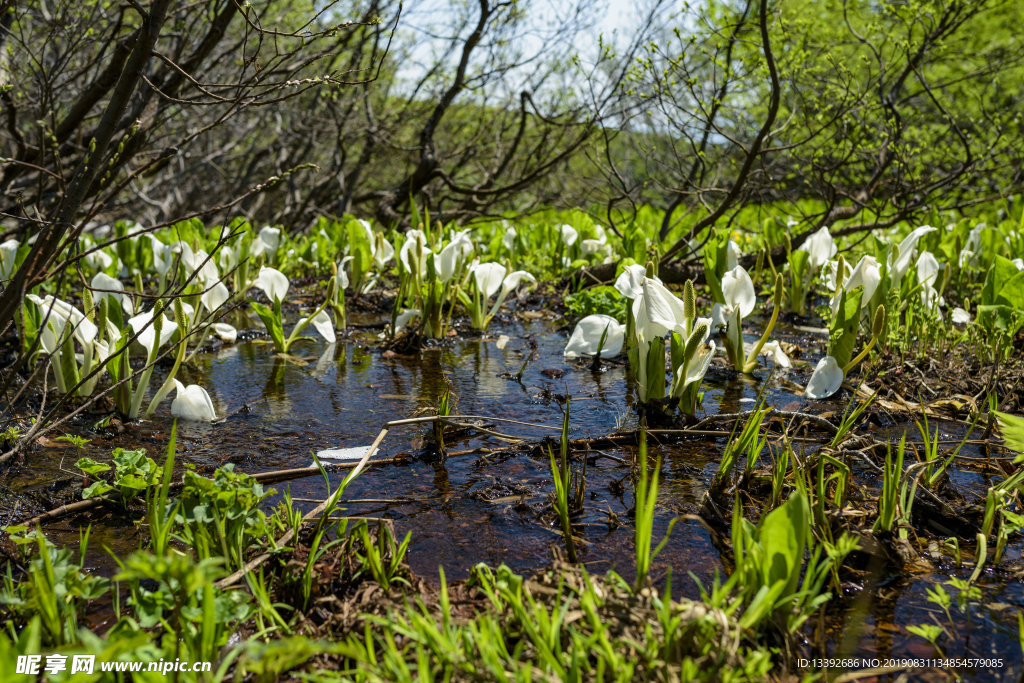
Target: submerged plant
(561,474)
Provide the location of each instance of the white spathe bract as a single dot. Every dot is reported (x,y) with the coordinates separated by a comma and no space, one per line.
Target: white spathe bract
(587,335)
(698,365)
(215,297)
(898,268)
(867,273)
(630,281)
(826,379)
(738,292)
(324,325)
(658,311)
(927,274)
(773,350)
(820,248)
(404,317)
(569,234)
(98,260)
(1019,262)
(414,252)
(8,252)
(192,403)
(960,316)
(592,246)
(113,287)
(972,250)
(225,332)
(269,241)
(84,329)
(147,335)
(163,255)
(732,255)
(508,240)
(273,283)
(446,262)
(489,277)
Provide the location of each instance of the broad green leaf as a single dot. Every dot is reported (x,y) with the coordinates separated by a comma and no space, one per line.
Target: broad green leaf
(98,488)
(782,536)
(271,322)
(1012,292)
(798,263)
(90,466)
(1001,272)
(1012,427)
(843,332)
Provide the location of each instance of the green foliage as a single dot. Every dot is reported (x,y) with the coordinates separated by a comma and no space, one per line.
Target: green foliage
(603,300)
(224,510)
(133,473)
(842,334)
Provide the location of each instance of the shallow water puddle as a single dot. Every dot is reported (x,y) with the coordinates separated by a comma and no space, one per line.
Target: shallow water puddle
(466,509)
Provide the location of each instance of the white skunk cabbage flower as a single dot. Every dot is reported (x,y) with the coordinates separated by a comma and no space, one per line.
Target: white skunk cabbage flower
(1019,262)
(414,253)
(147,336)
(820,248)
(593,246)
(267,242)
(229,257)
(826,379)
(225,332)
(447,261)
(8,252)
(192,403)
(273,283)
(403,319)
(62,312)
(927,274)
(323,324)
(694,371)
(215,297)
(738,292)
(631,279)
(102,281)
(508,240)
(960,316)
(586,337)
(898,268)
(773,350)
(569,234)
(969,254)
(489,277)
(163,255)
(868,273)
(508,284)
(732,255)
(98,260)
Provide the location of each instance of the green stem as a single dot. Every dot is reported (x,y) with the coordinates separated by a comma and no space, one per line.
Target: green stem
(860,356)
(299,327)
(751,361)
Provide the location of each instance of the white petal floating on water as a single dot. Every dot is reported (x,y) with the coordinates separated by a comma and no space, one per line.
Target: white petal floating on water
(355,453)
(587,335)
(826,380)
(192,403)
(502,341)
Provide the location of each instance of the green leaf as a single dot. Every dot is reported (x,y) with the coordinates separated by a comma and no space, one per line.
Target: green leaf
(359,249)
(272,323)
(782,536)
(1012,428)
(798,263)
(97,488)
(929,632)
(90,466)
(1001,272)
(1012,292)
(843,332)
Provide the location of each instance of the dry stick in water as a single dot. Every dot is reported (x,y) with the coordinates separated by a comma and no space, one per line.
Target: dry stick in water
(813,419)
